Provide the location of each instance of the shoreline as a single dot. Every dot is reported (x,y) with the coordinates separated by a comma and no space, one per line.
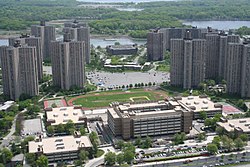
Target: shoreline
(92,36)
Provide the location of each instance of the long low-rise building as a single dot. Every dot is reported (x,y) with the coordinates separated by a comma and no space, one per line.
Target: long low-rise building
(149,119)
(240,126)
(122,49)
(200,103)
(62,148)
(62,115)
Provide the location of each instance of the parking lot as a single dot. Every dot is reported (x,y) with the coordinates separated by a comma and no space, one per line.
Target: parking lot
(171,152)
(112,80)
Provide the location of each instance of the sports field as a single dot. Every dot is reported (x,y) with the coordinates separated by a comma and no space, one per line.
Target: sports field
(103,99)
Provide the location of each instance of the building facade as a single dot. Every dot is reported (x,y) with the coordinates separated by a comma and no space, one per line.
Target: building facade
(245,78)
(19,70)
(60,148)
(32,41)
(122,49)
(155,45)
(68,63)
(187,62)
(47,34)
(132,120)
(79,32)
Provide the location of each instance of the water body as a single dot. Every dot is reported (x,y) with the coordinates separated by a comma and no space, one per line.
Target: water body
(129,9)
(101,41)
(221,25)
(123,41)
(121,1)
(4,42)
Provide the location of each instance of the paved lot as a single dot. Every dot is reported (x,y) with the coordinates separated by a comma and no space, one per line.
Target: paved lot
(106,79)
(32,127)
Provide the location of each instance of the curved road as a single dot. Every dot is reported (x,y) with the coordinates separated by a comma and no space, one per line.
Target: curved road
(98,161)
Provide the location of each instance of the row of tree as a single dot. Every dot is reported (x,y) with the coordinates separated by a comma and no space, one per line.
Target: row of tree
(126,156)
(227,143)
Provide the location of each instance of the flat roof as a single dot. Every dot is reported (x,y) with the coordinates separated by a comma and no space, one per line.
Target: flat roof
(240,124)
(63,114)
(60,144)
(32,127)
(6,105)
(121,47)
(140,109)
(199,103)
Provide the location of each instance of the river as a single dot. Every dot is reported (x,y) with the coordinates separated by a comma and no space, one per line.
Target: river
(101,41)
(221,25)
(121,1)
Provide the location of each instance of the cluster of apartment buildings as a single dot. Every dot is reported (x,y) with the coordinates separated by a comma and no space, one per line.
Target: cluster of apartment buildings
(199,54)
(153,118)
(22,60)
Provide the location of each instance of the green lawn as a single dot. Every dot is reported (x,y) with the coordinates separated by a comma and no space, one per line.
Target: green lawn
(163,67)
(104,99)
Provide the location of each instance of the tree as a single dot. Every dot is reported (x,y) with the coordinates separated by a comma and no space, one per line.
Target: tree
(138,141)
(148,142)
(54,105)
(33,109)
(244,137)
(227,143)
(50,130)
(120,158)
(128,156)
(42,161)
(110,158)
(120,144)
(208,122)
(239,144)
(117,43)
(24,143)
(94,140)
(31,159)
(220,131)
(203,115)
(69,127)
(201,137)
(82,130)
(60,128)
(179,138)
(83,155)
(212,148)
(211,82)
(6,155)
(216,141)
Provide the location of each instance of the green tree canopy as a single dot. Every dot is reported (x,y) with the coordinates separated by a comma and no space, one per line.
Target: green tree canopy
(212,148)
(42,161)
(110,158)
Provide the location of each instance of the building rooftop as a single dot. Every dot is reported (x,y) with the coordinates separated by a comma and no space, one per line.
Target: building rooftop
(59,144)
(6,105)
(62,115)
(121,47)
(146,109)
(199,103)
(242,124)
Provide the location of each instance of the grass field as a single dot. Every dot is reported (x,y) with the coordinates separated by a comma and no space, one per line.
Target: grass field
(103,99)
